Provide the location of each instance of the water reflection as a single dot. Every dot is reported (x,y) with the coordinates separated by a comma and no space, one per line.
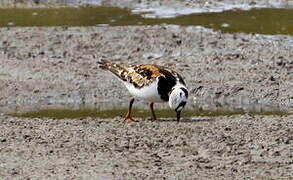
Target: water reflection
(263,21)
(111,110)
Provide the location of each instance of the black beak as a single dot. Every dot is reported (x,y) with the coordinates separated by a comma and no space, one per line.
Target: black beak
(178,115)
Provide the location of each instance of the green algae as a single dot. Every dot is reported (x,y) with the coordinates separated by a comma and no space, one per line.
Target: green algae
(262,21)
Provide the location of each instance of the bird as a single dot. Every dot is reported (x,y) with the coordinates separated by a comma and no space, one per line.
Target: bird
(152,83)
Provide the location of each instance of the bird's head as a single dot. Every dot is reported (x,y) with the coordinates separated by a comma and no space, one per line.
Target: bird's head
(178,99)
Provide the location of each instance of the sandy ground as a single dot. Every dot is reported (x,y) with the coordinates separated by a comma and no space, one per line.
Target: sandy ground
(40,66)
(59,65)
(54,65)
(236,147)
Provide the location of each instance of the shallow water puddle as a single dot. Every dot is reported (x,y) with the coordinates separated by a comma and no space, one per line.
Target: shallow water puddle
(263,21)
(162,113)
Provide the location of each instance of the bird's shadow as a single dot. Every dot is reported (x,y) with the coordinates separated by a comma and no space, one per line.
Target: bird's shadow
(185,120)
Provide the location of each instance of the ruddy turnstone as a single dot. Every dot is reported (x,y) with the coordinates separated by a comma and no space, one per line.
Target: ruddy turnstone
(150,83)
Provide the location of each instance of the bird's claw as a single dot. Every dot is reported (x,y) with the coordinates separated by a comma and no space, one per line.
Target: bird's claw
(130,119)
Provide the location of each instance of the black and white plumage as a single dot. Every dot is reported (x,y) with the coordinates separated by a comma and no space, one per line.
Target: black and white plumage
(150,83)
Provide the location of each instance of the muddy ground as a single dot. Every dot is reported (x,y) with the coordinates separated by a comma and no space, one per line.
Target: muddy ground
(54,65)
(235,147)
(40,66)
(59,65)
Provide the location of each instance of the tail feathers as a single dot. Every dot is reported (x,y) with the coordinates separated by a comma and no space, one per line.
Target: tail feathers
(116,69)
(104,64)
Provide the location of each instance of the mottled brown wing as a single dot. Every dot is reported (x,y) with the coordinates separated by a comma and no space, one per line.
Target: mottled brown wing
(144,75)
(139,76)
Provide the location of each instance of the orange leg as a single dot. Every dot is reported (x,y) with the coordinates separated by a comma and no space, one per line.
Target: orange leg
(152,110)
(128,117)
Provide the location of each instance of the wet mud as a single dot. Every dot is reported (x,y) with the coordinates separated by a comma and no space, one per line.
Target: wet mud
(59,65)
(43,66)
(235,147)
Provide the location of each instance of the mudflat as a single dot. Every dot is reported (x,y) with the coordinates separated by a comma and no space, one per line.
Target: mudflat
(53,65)
(58,65)
(235,147)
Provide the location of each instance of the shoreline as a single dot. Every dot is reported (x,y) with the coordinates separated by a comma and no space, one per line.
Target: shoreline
(158,8)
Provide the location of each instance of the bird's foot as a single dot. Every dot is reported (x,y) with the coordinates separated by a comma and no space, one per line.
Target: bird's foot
(129,119)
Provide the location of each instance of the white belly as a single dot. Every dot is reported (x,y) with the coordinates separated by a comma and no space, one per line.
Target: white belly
(149,93)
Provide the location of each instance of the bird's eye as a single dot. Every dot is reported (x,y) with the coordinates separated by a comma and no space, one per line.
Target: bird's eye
(181,94)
